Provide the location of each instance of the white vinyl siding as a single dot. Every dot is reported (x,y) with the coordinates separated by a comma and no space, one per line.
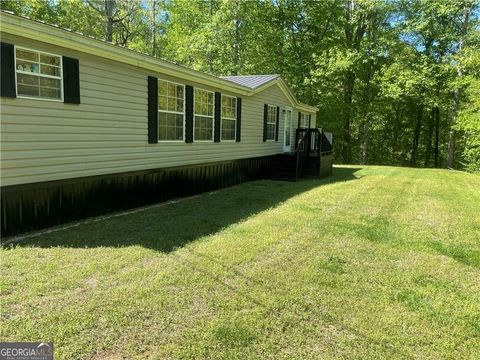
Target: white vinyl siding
(38,74)
(203,108)
(229,118)
(107,132)
(171,111)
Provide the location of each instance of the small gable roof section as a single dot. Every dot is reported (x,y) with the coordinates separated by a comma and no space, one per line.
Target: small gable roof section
(258,83)
(251,81)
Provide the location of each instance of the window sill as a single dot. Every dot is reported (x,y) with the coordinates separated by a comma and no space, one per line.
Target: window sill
(38,98)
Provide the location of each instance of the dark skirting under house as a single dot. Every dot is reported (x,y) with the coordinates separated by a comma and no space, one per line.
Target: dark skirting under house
(40,205)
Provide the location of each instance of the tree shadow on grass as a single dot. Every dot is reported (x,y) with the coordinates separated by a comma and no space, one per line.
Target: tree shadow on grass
(165,227)
(459,252)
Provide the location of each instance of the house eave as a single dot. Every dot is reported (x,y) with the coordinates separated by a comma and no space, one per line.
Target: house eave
(15,25)
(23,27)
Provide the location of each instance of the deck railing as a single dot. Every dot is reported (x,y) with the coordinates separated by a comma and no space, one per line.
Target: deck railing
(311,142)
(319,141)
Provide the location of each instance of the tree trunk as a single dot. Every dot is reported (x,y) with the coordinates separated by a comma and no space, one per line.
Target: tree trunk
(348,86)
(109,6)
(209,50)
(457,94)
(416,134)
(365,141)
(428,138)
(236,41)
(396,126)
(451,148)
(437,129)
(153,14)
(354,31)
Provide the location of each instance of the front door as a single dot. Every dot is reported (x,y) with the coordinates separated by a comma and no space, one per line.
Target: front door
(287,117)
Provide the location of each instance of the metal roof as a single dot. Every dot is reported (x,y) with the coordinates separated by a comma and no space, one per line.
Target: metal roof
(251,81)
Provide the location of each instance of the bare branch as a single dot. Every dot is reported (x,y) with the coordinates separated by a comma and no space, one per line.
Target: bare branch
(89,3)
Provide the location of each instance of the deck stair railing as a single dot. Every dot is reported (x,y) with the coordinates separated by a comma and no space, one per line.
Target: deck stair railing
(326,143)
(301,152)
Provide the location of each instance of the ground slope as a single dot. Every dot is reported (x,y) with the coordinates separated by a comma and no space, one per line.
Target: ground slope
(375,262)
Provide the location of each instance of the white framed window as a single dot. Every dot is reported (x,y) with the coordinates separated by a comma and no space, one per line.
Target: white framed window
(304,120)
(229,118)
(171,111)
(203,108)
(38,75)
(271,122)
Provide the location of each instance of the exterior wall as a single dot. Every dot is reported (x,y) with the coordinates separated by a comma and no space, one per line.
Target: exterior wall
(107,133)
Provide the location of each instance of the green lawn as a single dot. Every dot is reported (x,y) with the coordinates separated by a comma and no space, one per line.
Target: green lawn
(375,262)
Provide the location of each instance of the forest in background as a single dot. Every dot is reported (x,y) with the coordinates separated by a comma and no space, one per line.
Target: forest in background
(396,81)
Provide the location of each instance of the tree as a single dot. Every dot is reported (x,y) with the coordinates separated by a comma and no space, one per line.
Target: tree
(468,8)
(120,15)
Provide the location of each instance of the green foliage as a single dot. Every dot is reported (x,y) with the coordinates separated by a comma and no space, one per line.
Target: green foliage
(76,16)
(391,79)
(469,126)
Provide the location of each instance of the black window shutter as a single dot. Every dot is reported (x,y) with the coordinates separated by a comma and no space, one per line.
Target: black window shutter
(71,80)
(299,115)
(239,119)
(309,121)
(265,115)
(277,125)
(188,114)
(152,110)
(217,117)
(7,71)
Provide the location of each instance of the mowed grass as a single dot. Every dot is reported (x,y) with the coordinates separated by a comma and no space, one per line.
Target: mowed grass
(374,262)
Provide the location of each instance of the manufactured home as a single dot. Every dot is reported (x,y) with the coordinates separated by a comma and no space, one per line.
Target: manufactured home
(88,127)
